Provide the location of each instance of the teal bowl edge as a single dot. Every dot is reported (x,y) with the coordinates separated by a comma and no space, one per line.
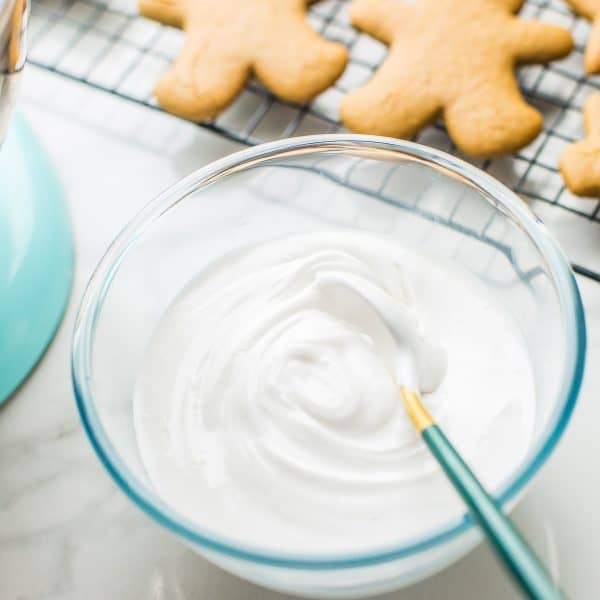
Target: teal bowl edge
(36,255)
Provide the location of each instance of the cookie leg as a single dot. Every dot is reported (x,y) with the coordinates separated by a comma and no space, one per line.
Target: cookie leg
(512,5)
(202,81)
(297,64)
(580,168)
(492,119)
(396,103)
(580,162)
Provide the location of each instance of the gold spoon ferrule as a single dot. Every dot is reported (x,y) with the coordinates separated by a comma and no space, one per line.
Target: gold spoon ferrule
(416,410)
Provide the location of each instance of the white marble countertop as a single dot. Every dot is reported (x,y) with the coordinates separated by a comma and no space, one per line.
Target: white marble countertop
(67,532)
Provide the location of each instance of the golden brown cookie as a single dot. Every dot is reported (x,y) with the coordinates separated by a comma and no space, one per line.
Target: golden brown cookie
(590,9)
(227,40)
(580,162)
(453,58)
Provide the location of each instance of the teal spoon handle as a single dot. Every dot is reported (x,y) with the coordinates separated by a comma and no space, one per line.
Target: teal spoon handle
(506,540)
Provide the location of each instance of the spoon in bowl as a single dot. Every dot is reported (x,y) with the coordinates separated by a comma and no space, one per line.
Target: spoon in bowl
(421,365)
(508,543)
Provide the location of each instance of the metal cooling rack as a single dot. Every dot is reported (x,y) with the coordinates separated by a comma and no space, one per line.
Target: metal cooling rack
(107,45)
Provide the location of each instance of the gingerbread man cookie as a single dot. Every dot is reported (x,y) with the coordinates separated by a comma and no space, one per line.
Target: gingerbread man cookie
(227,40)
(452,58)
(591,10)
(580,162)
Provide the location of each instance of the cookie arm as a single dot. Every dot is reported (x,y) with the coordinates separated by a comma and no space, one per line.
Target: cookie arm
(492,119)
(203,80)
(591,115)
(536,42)
(379,18)
(592,51)
(169,12)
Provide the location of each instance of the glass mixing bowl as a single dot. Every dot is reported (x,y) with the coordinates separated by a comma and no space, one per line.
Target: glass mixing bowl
(431,202)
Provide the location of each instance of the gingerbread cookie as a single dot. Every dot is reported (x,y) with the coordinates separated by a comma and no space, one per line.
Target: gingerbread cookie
(227,40)
(452,58)
(580,162)
(591,10)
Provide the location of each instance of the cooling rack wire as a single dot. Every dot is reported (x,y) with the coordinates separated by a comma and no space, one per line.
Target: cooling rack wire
(105,44)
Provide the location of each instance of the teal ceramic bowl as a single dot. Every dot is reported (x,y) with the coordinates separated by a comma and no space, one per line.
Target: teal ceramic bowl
(36,255)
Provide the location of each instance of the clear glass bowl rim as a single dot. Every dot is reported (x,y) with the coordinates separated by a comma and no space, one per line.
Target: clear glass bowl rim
(99,284)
